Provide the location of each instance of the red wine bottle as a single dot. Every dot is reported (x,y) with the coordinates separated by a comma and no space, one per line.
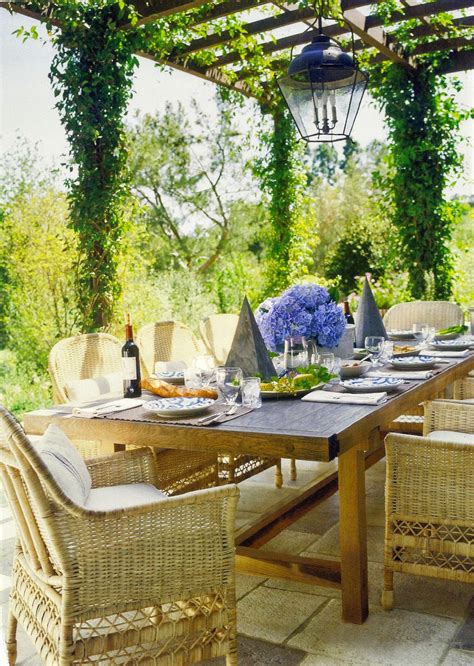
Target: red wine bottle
(130,364)
(347,312)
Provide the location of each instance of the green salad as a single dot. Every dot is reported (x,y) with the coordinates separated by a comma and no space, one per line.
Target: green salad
(451,329)
(300,379)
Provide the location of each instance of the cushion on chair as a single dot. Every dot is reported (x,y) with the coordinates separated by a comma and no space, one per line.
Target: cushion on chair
(83,390)
(468,401)
(451,436)
(108,498)
(65,464)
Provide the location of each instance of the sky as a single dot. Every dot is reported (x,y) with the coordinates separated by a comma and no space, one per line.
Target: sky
(27,103)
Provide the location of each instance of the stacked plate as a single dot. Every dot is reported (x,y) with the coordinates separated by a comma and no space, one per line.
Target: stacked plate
(372,384)
(451,345)
(400,335)
(413,362)
(176,377)
(177,407)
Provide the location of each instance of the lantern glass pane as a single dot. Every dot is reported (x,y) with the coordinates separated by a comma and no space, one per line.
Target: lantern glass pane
(324,101)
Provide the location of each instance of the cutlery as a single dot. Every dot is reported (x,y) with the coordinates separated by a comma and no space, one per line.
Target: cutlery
(213,417)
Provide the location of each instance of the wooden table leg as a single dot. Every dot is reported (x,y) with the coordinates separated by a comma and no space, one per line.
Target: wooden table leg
(353,536)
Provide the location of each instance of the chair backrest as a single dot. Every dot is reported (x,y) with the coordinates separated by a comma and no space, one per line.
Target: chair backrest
(166,341)
(439,314)
(83,357)
(218,332)
(448,415)
(30,490)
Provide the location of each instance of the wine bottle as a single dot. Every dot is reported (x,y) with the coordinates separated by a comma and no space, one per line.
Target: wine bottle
(130,364)
(347,312)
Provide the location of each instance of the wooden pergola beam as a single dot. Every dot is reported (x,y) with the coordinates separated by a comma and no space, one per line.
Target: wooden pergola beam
(150,10)
(421,11)
(458,61)
(443,45)
(376,37)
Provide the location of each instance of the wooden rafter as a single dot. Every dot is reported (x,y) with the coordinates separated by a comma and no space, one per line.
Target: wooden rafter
(457,61)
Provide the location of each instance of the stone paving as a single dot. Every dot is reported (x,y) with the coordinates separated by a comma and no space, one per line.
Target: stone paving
(289,624)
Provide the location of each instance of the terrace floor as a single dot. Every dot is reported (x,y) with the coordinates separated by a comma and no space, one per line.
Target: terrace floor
(289,624)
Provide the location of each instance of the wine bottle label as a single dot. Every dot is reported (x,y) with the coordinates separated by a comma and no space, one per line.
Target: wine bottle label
(129,367)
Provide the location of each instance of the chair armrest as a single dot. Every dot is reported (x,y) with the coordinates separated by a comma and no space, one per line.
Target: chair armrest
(448,415)
(171,549)
(463,389)
(133,466)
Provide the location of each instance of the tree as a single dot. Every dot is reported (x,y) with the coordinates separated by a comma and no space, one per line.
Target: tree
(188,175)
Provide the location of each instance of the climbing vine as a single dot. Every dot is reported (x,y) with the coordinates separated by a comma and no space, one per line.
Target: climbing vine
(91,76)
(283,180)
(423,122)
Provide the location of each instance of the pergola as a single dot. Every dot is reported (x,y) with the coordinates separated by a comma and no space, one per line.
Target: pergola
(277,27)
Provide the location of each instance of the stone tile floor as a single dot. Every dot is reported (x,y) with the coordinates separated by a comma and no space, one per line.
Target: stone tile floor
(289,624)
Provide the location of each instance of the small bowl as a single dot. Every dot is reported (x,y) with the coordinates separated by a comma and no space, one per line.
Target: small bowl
(349,369)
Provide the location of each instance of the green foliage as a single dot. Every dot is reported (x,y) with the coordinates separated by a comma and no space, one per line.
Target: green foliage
(38,253)
(283,180)
(91,76)
(22,388)
(388,290)
(423,122)
(462,247)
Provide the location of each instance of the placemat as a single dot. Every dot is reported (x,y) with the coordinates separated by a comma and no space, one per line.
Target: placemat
(146,416)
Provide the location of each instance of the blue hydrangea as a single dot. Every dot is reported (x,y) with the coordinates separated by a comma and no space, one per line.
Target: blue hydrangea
(304,309)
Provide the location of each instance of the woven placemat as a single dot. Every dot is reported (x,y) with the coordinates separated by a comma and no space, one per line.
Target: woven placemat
(145,415)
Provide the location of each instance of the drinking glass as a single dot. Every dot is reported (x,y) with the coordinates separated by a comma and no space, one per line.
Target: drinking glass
(296,352)
(421,333)
(228,382)
(205,365)
(251,392)
(326,359)
(374,344)
(193,378)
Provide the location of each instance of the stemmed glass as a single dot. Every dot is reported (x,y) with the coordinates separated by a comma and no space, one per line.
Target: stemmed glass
(228,382)
(374,344)
(204,365)
(421,333)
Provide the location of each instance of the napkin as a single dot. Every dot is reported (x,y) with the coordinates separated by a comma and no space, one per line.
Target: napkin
(407,374)
(450,354)
(169,366)
(346,398)
(107,408)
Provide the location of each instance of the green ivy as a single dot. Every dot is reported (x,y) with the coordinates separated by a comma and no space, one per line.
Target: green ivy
(91,76)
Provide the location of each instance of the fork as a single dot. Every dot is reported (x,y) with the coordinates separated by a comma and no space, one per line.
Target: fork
(213,417)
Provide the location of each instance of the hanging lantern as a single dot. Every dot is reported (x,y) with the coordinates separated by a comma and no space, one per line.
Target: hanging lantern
(323,89)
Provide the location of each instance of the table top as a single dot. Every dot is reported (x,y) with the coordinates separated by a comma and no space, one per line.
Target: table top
(283,428)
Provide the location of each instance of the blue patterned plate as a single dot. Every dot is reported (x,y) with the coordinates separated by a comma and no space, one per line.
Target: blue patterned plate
(451,345)
(372,384)
(413,362)
(176,377)
(178,406)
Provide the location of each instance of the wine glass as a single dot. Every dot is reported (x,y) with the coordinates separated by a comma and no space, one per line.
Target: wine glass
(205,365)
(228,382)
(374,344)
(421,333)
(296,352)
(326,360)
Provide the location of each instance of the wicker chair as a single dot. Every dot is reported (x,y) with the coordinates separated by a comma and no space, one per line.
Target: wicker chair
(152,583)
(439,314)
(96,354)
(463,389)
(218,332)
(167,341)
(172,341)
(429,500)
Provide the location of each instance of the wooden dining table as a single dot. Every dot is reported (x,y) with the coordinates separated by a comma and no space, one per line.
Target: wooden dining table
(287,429)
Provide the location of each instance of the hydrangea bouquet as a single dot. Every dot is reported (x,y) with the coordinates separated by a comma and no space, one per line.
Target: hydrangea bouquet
(304,309)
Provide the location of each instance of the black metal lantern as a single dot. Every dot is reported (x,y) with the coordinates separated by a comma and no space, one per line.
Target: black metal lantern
(323,89)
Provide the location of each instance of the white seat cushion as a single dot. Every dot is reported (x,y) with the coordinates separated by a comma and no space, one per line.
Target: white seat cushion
(469,401)
(84,390)
(109,498)
(65,464)
(451,436)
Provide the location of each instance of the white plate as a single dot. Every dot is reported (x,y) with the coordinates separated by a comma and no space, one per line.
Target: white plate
(447,336)
(451,345)
(179,406)
(299,393)
(171,377)
(372,384)
(413,362)
(414,351)
(401,335)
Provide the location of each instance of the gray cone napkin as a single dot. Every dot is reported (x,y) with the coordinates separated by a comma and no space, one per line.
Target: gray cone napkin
(368,319)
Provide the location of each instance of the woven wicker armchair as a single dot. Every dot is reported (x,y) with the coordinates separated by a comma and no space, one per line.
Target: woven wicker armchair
(463,389)
(172,341)
(151,584)
(96,354)
(217,332)
(439,314)
(167,341)
(429,500)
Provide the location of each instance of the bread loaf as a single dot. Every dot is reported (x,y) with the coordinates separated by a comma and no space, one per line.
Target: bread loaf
(165,390)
